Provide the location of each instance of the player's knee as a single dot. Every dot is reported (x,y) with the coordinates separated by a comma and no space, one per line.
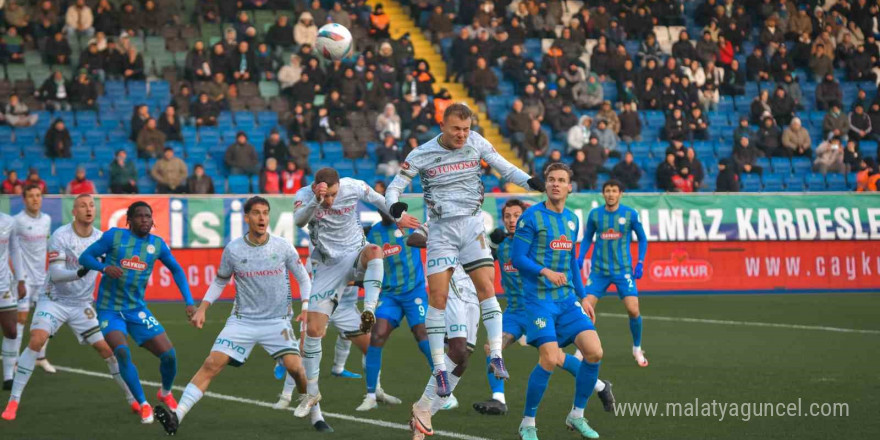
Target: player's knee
(437,299)
(168,358)
(22,318)
(373,252)
(212,366)
(37,340)
(594,355)
(548,363)
(123,354)
(314,330)
(378,339)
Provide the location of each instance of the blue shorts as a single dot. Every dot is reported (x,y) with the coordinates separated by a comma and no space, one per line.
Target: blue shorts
(412,305)
(139,323)
(597,285)
(558,322)
(515,322)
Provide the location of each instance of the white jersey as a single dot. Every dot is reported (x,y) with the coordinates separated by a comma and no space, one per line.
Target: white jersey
(7,225)
(262,277)
(451,179)
(463,287)
(337,230)
(65,246)
(29,249)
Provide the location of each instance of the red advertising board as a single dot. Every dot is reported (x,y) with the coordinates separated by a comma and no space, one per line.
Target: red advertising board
(113,211)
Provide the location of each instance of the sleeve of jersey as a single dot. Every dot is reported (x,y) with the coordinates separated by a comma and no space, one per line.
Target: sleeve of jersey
(508,171)
(224,274)
(403,178)
(587,241)
(176,272)
(576,279)
(522,241)
(89,257)
(299,272)
(304,208)
(640,235)
(370,196)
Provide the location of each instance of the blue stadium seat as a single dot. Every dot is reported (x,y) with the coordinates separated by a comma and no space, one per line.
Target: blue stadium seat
(750,182)
(815,182)
(86,119)
(780,164)
(267,119)
(238,184)
(146,185)
(801,165)
(836,182)
(65,167)
(774,181)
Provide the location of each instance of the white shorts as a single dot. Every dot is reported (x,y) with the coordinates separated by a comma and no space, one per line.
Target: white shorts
(330,279)
(463,316)
(458,240)
(82,319)
(347,317)
(8,301)
(239,336)
(33,294)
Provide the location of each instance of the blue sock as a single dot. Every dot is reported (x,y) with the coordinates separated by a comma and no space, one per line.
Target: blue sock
(425,348)
(572,365)
(168,368)
(129,373)
(635,327)
(374,364)
(585,380)
(496,384)
(538,381)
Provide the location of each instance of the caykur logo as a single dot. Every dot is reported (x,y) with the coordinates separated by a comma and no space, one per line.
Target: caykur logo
(134,263)
(680,269)
(391,249)
(561,244)
(610,234)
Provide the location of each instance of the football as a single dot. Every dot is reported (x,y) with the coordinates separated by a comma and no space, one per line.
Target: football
(334,41)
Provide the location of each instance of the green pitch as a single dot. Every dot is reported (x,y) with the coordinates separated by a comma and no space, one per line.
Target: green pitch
(714,356)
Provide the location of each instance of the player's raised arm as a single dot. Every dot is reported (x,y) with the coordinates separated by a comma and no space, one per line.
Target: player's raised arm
(508,171)
(305,206)
(176,272)
(587,241)
(404,177)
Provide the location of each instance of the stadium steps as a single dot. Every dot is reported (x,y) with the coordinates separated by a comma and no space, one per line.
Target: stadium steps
(401,23)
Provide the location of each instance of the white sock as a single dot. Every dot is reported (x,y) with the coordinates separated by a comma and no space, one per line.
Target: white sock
(527,421)
(42,353)
(340,356)
(371,395)
(23,373)
(491,311)
(113,366)
(499,397)
(438,403)
(289,386)
(312,361)
(637,348)
(20,331)
(373,277)
(426,402)
(316,414)
(10,356)
(435,323)
(600,386)
(190,396)
(576,413)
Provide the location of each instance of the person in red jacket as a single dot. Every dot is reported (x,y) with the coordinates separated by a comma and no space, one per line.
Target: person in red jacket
(683,181)
(12,185)
(292,178)
(34,179)
(270,181)
(79,184)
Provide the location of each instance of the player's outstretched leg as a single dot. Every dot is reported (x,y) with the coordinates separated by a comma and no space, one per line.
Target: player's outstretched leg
(161,346)
(103,349)
(340,357)
(435,326)
(635,327)
(374,274)
(312,352)
(170,418)
(26,363)
(484,281)
(585,382)
(43,362)
(129,375)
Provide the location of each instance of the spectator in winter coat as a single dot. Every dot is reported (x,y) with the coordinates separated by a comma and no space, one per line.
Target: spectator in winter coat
(579,135)
(241,157)
(588,94)
(820,63)
(630,124)
(205,111)
(79,184)
(859,124)
(695,168)
(170,173)
(829,157)
(536,142)
(388,156)
(123,176)
(198,182)
(584,173)
(796,140)
(292,178)
(17,114)
(57,140)
(767,139)
(782,107)
(169,124)
(728,178)
(11,185)
(742,130)
(836,124)
(676,127)
(683,181)
(852,157)
(150,140)
(627,172)
(746,157)
(596,157)
(698,124)
(270,180)
(305,31)
(666,170)
(563,122)
(608,114)
(828,92)
(607,139)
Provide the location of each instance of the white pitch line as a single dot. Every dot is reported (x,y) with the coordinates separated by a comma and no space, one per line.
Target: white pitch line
(263,404)
(748,323)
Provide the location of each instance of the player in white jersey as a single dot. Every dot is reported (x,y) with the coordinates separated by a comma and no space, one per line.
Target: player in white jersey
(68,300)
(262,264)
(462,320)
(8,301)
(449,169)
(341,255)
(28,253)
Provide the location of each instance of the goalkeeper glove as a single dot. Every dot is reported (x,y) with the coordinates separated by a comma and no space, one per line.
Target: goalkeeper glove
(398,209)
(497,236)
(537,184)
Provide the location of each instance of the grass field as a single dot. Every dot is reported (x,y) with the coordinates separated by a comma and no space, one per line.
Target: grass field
(723,353)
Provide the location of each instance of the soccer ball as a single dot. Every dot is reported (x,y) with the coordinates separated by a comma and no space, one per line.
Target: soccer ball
(334,41)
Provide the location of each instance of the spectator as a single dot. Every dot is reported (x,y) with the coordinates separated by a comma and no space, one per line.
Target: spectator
(55,91)
(123,176)
(17,114)
(760,107)
(563,122)
(709,98)
(665,172)
(535,143)
(440,24)
(280,34)
(746,157)
(608,114)
(579,135)
(217,89)
(270,180)
(829,157)
(859,124)
(796,140)
(182,101)
(742,130)
(12,46)
(92,61)
(582,171)
(555,156)
(828,93)
(596,157)
(782,107)
(274,146)
(57,51)
(79,20)
(150,141)
(757,67)
(518,123)
(852,157)
(197,63)
(588,94)
(835,123)
(380,23)
(84,92)
(57,140)
(290,73)
(79,184)
(34,179)
(683,181)
(245,66)
(170,173)
(389,122)
(139,118)
(11,185)
(698,124)
(821,63)
(728,178)
(793,90)
(388,156)
(676,128)
(133,66)
(734,81)
(683,49)
(677,148)
(482,81)
(241,157)
(607,139)
(169,124)
(768,137)
(627,172)
(292,178)
(695,168)
(305,31)
(205,111)
(198,182)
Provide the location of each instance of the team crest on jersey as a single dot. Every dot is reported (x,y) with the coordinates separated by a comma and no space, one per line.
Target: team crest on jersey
(142,314)
(621,220)
(508,267)
(418,301)
(541,322)
(611,234)
(405,165)
(105,323)
(397,233)
(391,249)
(134,263)
(571,225)
(151,249)
(561,244)
(522,224)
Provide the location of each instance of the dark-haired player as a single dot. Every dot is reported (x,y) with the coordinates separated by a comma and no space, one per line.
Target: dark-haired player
(129,257)
(613,225)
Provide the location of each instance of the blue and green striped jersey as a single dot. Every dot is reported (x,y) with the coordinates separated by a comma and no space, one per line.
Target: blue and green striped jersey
(403,264)
(613,230)
(136,256)
(511,282)
(545,239)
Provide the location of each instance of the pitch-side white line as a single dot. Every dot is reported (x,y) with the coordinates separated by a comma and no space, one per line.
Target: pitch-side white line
(747,323)
(229,398)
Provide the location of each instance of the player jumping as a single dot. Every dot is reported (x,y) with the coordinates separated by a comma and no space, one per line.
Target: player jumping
(262,264)
(449,169)
(67,300)
(516,317)
(558,311)
(613,226)
(129,257)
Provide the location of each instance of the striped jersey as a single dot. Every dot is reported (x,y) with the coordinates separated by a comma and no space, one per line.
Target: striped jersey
(29,249)
(7,225)
(403,264)
(546,239)
(65,247)
(136,256)
(511,281)
(613,231)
